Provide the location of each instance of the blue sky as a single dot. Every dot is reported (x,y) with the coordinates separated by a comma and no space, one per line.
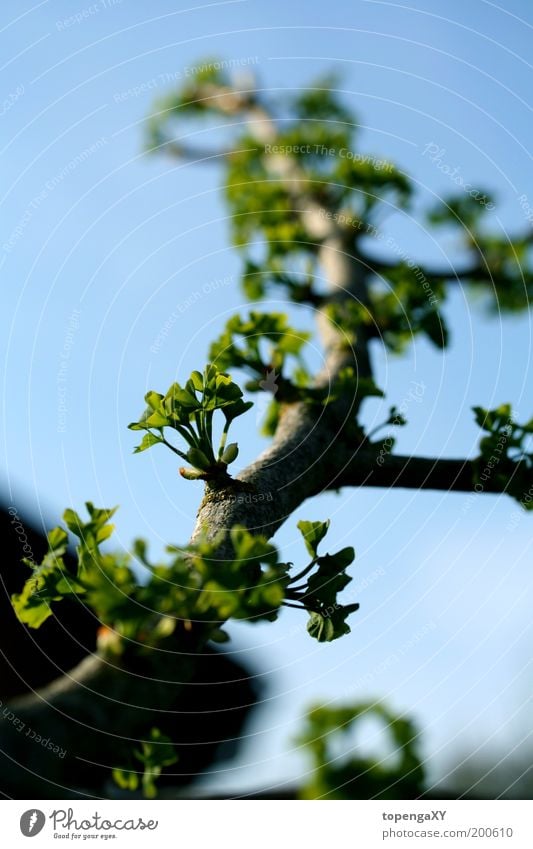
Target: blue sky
(111,243)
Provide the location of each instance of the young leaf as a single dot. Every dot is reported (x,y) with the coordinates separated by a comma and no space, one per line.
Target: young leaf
(29,609)
(153,399)
(57,540)
(320,627)
(147,441)
(236,409)
(326,627)
(190,474)
(313,533)
(126,779)
(189,411)
(230,453)
(198,459)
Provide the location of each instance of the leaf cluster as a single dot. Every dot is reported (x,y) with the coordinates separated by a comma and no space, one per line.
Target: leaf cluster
(502,263)
(196,586)
(506,453)
(189,412)
(260,343)
(154,754)
(325,577)
(400,775)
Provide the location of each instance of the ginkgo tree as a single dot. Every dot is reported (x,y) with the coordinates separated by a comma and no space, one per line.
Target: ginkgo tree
(302,207)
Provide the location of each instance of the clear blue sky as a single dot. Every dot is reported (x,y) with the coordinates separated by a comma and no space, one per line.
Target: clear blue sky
(110,243)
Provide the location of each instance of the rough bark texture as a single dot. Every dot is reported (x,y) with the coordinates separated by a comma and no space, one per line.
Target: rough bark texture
(295,467)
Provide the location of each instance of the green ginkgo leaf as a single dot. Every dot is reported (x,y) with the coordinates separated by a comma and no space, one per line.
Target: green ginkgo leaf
(313,533)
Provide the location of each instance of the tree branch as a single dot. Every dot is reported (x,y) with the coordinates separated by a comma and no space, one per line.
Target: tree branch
(194,155)
(84,711)
(297,464)
(475,272)
(394,470)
